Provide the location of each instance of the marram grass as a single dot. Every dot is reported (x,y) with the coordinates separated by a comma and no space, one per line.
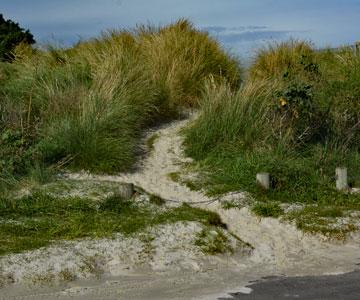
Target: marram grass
(296,116)
(85,107)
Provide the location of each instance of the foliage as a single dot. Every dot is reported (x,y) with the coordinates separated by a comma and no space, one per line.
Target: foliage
(151,141)
(284,59)
(296,117)
(40,219)
(15,154)
(157,200)
(267,209)
(86,107)
(11,35)
(213,241)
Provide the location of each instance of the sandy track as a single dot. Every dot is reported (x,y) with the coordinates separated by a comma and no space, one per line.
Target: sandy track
(281,245)
(280,249)
(153,172)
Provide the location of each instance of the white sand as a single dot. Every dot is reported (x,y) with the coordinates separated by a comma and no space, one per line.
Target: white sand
(279,248)
(164,248)
(277,243)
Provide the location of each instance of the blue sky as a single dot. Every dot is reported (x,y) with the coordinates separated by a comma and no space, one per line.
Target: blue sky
(240,25)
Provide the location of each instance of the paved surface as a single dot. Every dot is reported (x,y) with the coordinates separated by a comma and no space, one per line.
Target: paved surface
(338,287)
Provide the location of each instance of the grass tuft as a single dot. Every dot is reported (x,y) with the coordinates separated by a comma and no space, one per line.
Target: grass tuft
(296,116)
(267,210)
(40,219)
(86,107)
(157,200)
(213,241)
(151,141)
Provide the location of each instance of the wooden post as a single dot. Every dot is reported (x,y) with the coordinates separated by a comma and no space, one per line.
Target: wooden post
(263,180)
(341,179)
(357,47)
(126,190)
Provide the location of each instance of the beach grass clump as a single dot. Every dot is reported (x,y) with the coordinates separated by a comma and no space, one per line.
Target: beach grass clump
(180,58)
(267,210)
(85,107)
(284,59)
(213,241)
(298,121)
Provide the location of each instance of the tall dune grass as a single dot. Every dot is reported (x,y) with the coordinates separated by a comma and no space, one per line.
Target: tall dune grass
(231,117)
(296,119)
(85,107)
(283,59)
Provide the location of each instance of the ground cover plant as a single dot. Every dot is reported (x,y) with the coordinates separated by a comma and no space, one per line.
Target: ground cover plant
(297,116)
(39,219)
(86,107)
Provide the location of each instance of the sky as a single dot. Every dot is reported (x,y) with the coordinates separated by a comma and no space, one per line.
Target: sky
(240,25)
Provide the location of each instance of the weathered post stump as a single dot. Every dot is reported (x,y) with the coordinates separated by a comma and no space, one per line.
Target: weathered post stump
(263,180)
(126,190)
(341,179)
(357,47)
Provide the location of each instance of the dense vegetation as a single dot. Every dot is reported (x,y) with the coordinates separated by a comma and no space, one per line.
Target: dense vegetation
(85,107)
(40,219)
(11,35)
(297,116)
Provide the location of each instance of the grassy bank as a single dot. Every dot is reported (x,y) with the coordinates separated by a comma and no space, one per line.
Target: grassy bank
(297,116)
(86,107)
(45,217)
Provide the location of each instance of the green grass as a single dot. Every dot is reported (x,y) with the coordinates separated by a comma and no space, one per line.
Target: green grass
(323,219)
(180,177)
(192,185)
(174,176)
(213,241)
(151,141)
(235,203)
(86,107)
(267,210)
(288,57)
(296,116)
(40,219)
(154,199)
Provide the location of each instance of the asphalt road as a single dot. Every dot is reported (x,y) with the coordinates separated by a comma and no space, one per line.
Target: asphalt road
(335,287)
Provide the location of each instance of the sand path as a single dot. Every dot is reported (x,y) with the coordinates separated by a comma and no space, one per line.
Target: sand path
(279,249)
(281,245)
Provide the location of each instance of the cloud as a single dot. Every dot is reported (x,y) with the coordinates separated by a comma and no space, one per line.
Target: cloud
(243,41)
(252,36)
(222,29)
(231,35)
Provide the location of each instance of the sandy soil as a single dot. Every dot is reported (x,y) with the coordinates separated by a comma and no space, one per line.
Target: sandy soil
(275,242)
(279,249)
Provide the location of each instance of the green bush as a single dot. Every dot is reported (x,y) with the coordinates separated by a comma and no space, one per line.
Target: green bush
(11,35)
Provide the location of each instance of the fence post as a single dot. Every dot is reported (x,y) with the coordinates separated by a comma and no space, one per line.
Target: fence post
(126,190)
(263,180)
(357,47)
(341,179)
